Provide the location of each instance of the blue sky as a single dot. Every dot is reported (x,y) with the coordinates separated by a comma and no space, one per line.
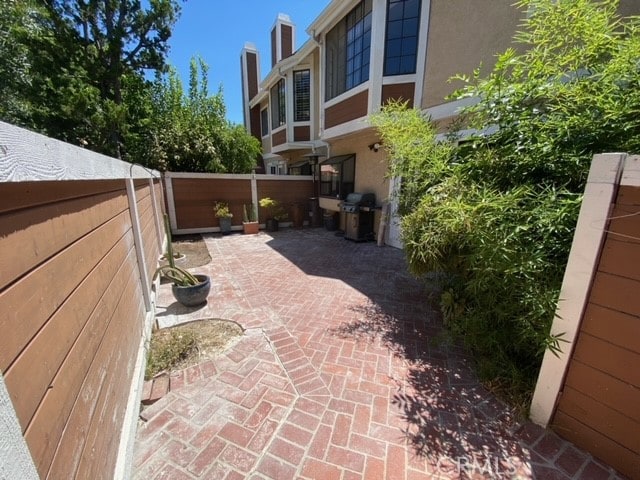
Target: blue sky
(217,30)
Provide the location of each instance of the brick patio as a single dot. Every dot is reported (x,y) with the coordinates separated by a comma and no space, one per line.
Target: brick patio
(342,374)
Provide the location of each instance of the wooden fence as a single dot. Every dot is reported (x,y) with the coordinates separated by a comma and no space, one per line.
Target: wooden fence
(81,235)
(590,394)
(190,197)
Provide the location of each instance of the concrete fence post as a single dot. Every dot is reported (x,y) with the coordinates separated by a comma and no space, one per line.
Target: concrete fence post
(139,245)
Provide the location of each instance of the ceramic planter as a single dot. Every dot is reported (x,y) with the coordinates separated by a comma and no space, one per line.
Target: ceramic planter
(225,225)
(193,295)
(272,225)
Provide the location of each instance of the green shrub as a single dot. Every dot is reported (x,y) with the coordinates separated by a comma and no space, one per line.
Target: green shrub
(497,213)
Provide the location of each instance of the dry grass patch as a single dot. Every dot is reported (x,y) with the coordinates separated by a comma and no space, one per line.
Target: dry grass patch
(180,347)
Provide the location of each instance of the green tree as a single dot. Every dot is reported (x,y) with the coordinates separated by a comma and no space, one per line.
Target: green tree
(118,38)
(189,132)
(497,212)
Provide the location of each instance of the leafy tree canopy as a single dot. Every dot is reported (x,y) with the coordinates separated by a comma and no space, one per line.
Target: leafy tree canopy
(189,132)
(76,70)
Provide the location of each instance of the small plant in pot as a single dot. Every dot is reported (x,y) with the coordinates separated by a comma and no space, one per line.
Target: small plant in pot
(189,289)
(224,216)
(275,213)
(250,219)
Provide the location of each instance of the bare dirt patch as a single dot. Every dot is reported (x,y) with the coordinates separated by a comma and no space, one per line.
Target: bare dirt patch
(193,248)
(189,344)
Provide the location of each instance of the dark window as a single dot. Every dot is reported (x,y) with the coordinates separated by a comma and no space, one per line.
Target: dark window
(337,176)
(302,95)
(348,51)
(264,121)
(278,105)
(401,45)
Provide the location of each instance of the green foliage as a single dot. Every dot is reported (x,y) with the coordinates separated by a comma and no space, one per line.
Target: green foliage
(496,214)
(74,70)
(221,210)
(250,213)
(273,208)
(179,276)
(189,132)
(68,66)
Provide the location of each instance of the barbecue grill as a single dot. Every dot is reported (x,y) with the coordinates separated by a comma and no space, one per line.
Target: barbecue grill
(358,209)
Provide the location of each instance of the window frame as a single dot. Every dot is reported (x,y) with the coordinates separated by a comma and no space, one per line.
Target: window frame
(337,186)
(348,51)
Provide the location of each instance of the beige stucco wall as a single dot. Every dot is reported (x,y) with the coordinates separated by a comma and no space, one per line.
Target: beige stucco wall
(371,169)
(462,35)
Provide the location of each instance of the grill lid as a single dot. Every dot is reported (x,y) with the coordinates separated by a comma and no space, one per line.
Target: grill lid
(361,199)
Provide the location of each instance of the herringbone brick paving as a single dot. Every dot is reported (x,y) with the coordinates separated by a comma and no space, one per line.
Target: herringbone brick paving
(343,373)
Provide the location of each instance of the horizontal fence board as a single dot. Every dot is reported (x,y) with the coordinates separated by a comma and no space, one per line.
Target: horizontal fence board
(99,455)
(19,195)
(620,258)
(295,193)
(601,418)
(617,362)
(628,195)
(27,304)
(42,357)
(145,208)
(612,453)
(45,430)
(624,225)
(616,293)
(194,199)
(616,394)
(612,326)
(43,231)
(102,376)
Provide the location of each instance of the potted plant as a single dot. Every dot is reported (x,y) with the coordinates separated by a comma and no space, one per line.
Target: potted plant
(224,216)
(189,289)
(170,256)
(275,213)
(250,219)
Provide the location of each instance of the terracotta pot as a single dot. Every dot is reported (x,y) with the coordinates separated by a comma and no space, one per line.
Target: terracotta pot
(250,228)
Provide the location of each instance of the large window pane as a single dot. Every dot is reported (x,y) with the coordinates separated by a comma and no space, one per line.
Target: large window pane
(337,179)
(347,51)
(278,105)
(264,121)
(302,95)
(403,19)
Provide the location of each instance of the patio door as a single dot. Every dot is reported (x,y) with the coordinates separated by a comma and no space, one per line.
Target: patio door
(393,224)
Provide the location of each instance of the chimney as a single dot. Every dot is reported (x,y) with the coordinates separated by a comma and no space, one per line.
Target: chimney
(250,74)
(282,39)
